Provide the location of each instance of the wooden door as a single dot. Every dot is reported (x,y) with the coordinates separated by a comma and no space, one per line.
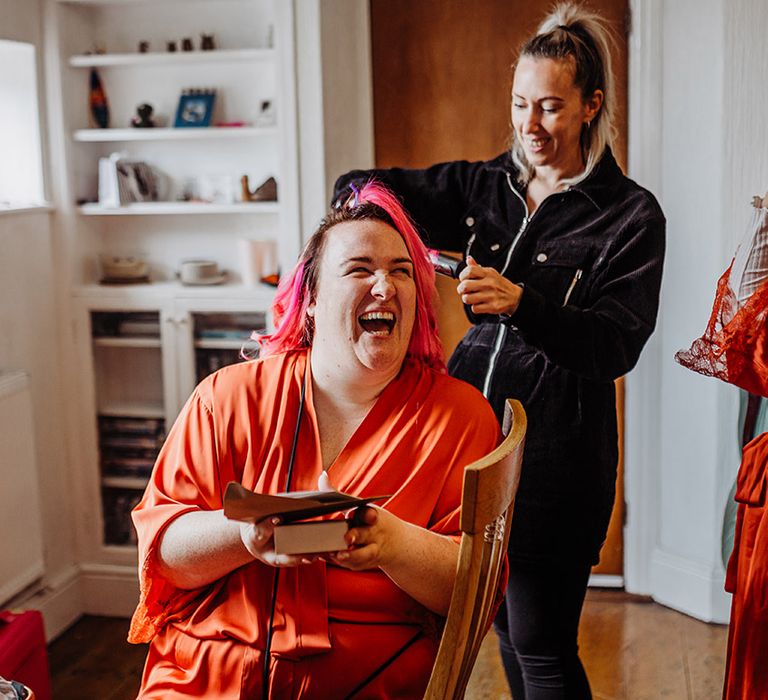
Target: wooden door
(441,91)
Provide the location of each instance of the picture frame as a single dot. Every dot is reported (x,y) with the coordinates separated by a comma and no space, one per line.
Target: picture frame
(195,108)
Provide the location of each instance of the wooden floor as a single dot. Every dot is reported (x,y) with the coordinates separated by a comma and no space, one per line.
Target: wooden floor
(632,650)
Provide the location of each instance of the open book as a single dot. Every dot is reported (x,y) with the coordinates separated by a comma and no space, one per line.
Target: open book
(296,535)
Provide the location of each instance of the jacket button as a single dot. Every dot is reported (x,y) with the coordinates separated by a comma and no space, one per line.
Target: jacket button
(495,247)
(469,221)
(541,257)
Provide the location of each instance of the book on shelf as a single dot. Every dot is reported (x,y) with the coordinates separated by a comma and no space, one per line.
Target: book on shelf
(297,534)
(121,324)
(132,442)
(224,334)
(127,466)
(133,426)
(140,328)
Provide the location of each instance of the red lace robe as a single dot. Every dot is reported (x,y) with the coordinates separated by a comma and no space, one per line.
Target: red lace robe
(734,348)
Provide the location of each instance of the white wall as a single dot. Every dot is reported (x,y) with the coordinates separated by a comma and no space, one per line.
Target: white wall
(334,81)
(695,134)
(745,105)
(30,341)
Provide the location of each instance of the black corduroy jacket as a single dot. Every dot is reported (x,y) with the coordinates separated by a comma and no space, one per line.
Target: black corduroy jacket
(590,261)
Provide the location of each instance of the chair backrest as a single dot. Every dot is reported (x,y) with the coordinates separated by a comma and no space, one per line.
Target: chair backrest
(490,485)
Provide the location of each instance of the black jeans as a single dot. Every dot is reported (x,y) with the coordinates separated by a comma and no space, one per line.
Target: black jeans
(537,626)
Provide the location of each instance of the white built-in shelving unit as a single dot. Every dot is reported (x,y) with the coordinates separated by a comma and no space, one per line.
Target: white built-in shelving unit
(141,348)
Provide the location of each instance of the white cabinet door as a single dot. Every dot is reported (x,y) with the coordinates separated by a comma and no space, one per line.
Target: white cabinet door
(142,360)
(213,334)
(127,388)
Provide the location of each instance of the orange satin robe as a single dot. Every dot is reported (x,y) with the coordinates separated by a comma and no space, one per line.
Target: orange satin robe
(746,669)
(333,627)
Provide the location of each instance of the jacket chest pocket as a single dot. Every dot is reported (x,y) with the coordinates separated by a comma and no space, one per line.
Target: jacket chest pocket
(561,276)
(488,241)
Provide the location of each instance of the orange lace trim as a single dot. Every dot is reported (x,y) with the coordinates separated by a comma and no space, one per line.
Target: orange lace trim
(734,346)
(151,612)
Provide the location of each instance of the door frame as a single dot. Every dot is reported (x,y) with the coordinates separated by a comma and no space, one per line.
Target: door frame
(643,385)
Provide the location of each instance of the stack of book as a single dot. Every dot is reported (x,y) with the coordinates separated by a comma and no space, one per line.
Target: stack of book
(129,446)
(107,324)
(118,504)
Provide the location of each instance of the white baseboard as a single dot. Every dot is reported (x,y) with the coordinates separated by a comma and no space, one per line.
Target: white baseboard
(109,590)
(57,598)
(91,589)
(689,586)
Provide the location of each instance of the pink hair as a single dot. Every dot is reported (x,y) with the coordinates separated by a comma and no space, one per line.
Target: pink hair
(294,327)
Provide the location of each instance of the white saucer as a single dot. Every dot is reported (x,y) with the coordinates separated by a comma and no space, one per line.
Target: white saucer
(218,279)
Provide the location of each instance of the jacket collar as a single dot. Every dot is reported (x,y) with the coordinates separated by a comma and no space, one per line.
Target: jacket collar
(598,188)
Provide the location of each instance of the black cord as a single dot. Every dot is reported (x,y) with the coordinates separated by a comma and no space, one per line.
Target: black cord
(276,581)
(383,666)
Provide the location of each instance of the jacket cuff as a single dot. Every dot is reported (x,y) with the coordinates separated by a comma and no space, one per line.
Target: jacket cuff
(530,311)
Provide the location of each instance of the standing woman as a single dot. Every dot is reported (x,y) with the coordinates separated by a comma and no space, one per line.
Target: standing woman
(563,258)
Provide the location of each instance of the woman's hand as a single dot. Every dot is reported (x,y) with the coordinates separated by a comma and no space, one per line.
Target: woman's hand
(373,544)
(258,538)
(486,291)
(420,562)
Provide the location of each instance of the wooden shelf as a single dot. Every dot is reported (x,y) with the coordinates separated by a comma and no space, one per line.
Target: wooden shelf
(124,482)
(171,134)
(107,60)
(126,342)
(132,410)
(164,208)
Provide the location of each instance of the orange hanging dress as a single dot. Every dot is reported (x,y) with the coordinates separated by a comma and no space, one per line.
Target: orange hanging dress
(333,628)
(734,348)
(746,668)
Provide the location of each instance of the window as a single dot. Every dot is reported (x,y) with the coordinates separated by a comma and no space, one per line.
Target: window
(21,172)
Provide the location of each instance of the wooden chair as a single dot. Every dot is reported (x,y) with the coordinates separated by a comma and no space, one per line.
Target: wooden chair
(487,500)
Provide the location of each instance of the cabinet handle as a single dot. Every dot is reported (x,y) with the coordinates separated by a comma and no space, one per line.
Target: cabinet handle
(182,320)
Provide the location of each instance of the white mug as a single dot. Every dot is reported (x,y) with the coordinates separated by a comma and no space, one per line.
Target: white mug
(198,271)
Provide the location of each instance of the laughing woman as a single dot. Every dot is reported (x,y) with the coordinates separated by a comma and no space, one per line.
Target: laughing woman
(353,384)
(563,258)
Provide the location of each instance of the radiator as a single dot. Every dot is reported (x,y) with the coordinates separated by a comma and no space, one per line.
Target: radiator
(21,542)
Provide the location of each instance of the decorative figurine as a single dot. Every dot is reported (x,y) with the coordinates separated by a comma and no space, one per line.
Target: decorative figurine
(207,43)
(170,46)
(187,45)
(97,101)
(143,47)
(143,117)
(266,116)
(265,192)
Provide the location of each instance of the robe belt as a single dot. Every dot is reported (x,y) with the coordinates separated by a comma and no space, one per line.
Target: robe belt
(301,626)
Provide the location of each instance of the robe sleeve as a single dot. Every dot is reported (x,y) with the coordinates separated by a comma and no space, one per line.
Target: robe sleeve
(185,478)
